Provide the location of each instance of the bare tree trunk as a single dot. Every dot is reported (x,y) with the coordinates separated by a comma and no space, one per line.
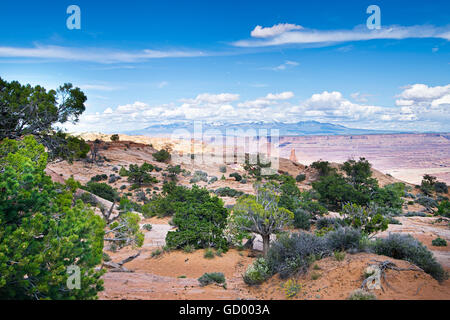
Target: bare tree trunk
(266,243)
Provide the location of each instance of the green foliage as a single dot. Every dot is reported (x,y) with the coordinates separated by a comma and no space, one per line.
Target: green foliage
(444,209)
(343,239)
(440,187)
(223,169)
(140,175)
(254,165)
(291,288)
(188,248)
(293,254)
(300,178)
(41,233)
(125,231)
(360,294)
(147,227)
(88,199)
(162,155)
(213,277)
(199,217)
(261,214)
(368,219)
(99,177)
(123,172)
(199,176)
(427,184)
(323,167)
(209,254)
(27,110)
(115,137)
(357,187)
(405,247)
(257,273)
(439,242)
(339,255)
(228,192)
(302,219)
(236,176)
(102,190)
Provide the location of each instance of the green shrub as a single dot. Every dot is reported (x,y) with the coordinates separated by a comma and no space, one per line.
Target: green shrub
(293,254)
(440,187)
(228,192)
(199,217)
(147,227)
(415,214)
(236,176)
(223,169)
(209,254)
(360,294)
(444,209)
(315,275)
(302,219)
(257,273)
(291,288)
(162,155)
(300,178)
(330,222)
(99,177)
(102,190)
(188,248)
(339,255)
(213,277)
(367,219)
(156,253)
(89,199)
(343,239)
(439,242)
(405,247)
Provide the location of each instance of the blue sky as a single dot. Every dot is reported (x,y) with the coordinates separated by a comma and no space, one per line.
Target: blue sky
(146,62)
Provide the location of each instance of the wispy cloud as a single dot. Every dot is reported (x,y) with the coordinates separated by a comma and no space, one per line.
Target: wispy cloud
(284,36)
(285,65)
(97,55)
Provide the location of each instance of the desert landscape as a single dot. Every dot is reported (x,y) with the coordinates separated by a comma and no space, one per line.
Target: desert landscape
(222,159)
(173,274)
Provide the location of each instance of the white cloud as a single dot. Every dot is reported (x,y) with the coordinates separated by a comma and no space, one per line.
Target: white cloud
(97,55)
(278,35)
(212,98)
(260,32)
(418,107)
(163,84)
(269,99)
(285,65)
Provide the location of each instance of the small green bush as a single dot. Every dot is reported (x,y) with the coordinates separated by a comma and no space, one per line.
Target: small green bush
(147,227)
(291,288)
(228,192)
(300,178)
(162,155)
(257,273)
(236,176)
(439,242)
(339,255)
(405,247)
(343,239)
(223,169)
(213,277)
(99,177)
(302,219)
(188,248)
(209,254)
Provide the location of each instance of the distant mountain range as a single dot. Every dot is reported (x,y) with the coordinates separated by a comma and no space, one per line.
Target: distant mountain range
(303,128)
